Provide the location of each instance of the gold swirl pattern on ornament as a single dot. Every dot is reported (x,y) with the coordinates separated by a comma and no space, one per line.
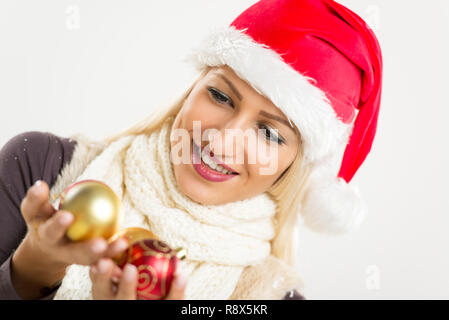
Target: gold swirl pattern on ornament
(146,273)
(161,246)
(164,277)
(151,252)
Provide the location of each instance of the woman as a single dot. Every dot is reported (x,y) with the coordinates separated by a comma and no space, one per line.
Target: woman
(275,76)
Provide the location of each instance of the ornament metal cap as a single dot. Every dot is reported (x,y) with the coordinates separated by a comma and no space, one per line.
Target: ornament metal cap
(181,253)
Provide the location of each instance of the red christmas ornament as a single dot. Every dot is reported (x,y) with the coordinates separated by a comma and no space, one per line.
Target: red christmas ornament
(156,263)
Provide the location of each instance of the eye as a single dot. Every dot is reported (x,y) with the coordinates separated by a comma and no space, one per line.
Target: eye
(271,134)
(220,97)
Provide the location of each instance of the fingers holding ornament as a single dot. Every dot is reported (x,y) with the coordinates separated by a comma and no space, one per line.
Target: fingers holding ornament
(36,203)
(102,275)
(127,288)
(177,290)
(95,212)
(85,252)
(54,228)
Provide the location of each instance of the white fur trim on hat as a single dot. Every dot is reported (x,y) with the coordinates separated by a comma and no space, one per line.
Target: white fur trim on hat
(329,202)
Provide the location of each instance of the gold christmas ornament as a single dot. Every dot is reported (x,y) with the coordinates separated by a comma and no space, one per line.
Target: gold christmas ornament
(133,234)
(95,207)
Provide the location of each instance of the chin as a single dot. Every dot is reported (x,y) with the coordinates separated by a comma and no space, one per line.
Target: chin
(202,196)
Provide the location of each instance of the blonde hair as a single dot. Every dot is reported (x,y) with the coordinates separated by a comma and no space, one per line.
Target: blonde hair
(287,191)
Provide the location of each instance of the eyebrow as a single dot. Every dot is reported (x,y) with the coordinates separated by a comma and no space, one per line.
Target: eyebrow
(234,89)
(274,117)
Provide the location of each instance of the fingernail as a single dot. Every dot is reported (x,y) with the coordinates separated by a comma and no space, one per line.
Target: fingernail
(65,218)
(103,266)
(99,246)
(36,187)
(129,272)
(180,280)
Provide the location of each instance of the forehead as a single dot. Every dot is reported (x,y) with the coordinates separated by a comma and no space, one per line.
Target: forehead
(229,73)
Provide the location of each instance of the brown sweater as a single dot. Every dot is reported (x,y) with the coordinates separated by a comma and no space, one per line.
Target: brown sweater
(25,158)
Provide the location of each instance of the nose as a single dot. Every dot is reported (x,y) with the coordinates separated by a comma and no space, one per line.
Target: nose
(228,142)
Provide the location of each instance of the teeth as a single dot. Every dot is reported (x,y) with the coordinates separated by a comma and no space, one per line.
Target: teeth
(212,164)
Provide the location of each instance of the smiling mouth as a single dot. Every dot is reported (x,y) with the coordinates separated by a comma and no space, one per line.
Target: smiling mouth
(212,163)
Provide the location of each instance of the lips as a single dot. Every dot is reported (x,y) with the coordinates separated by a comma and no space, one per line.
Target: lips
(212,156)
(204,171)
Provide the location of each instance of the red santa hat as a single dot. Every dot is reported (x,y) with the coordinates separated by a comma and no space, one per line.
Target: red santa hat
(321,65)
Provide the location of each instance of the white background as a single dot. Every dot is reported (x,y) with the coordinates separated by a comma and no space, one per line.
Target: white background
(99,66)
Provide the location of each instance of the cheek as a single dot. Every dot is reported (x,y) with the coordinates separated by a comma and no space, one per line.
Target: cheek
(269,164)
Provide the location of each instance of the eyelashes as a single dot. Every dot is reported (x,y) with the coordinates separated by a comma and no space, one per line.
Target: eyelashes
(221,98)
(271,135)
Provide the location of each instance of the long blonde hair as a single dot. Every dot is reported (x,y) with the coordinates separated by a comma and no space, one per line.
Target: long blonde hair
(287,191)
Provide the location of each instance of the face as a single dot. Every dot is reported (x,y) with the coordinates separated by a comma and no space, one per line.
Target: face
(237,129)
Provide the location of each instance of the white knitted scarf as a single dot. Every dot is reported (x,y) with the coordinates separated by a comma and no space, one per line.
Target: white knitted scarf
(220,239)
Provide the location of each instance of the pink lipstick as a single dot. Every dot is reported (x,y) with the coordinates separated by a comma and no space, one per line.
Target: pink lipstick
(204,170)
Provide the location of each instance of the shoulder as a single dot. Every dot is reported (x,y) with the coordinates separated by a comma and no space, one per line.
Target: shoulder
(36,144)
(34,155)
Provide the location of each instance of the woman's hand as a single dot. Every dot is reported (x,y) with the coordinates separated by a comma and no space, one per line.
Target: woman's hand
(47,228)
(109,282)
(43,255)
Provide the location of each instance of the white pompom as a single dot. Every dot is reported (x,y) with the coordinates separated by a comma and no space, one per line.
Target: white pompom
(332,206)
